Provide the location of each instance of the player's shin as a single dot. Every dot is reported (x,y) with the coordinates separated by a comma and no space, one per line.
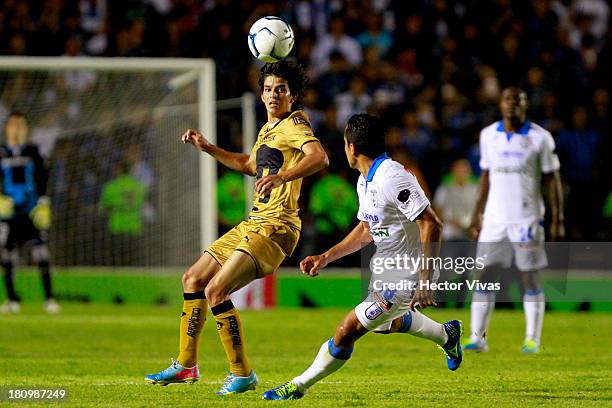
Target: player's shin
(419,325)
(192,321)
(329,359)
(483,304)
(534,305)
(45,276)
(9,282)
(232,337)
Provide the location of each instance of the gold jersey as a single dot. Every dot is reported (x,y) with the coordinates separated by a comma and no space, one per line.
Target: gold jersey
(279,147)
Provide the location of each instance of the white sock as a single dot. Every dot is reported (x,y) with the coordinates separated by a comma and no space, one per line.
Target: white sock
(534,305)
(426,328)
(482,307)
(323,365)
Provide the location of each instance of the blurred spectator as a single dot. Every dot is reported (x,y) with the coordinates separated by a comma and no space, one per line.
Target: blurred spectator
(416,138)
(336,79)
(353,101)
(577,147)
(337,40)
(310,101)
(455,199)
(375,35)
(591,17)
(122,200)
(46,132)
(332,137)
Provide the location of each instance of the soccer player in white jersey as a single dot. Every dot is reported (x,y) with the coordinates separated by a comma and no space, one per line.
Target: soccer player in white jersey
(396,215)
(516,155)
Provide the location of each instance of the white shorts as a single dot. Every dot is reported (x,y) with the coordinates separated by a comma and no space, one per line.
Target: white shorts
(497,243)
(380,308)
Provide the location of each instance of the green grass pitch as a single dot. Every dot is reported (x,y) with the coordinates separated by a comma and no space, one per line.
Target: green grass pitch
(101,352)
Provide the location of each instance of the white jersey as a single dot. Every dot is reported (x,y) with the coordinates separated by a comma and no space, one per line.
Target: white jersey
(515,162)
(390,199)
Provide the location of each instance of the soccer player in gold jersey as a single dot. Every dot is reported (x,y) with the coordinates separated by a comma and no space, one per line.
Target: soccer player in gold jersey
(286,150)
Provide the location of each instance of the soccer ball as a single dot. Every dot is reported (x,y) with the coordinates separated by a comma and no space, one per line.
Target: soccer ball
(270,39)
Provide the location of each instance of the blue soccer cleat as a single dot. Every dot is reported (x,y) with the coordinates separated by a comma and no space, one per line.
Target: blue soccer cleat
(478,346)
(236,385)
(452,348)
(176,373)
(287,391)
(530,347)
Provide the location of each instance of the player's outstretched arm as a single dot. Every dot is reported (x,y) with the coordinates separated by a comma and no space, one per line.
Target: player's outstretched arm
(552,182)
(236,161)
(430,233)
(354,241)
(481,201)
(314,160)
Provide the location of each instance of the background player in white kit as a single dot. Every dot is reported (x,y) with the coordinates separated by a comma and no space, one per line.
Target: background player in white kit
(515,155)
(396,215)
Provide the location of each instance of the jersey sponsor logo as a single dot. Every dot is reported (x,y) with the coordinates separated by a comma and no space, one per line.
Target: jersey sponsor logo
(269,161)
(268,138)
(380,232)
(373,311)
(194,322)
(510,170)
(510,153)
(371,218)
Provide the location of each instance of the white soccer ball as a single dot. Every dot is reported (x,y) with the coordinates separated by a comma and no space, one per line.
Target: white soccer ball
(270,39)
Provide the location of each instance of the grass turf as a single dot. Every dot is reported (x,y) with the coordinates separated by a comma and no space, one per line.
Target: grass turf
(101,352)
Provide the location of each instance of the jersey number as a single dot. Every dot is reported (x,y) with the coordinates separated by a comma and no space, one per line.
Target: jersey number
(269,161)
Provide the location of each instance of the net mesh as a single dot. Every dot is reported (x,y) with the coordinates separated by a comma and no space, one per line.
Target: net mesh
(124,190)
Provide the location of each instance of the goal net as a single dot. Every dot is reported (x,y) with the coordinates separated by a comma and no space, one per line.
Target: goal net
(124,190)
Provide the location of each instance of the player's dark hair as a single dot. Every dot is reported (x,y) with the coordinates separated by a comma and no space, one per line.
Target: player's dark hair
(290,71)
(17,113)
(366,132)
(519,91)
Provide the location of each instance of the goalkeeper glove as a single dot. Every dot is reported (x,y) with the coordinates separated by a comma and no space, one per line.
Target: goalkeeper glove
(7,207)
(41,214)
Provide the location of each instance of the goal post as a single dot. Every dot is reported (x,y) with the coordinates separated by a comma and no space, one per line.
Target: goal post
(149,93)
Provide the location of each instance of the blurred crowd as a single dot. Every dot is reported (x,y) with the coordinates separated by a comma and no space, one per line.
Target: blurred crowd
(432,69)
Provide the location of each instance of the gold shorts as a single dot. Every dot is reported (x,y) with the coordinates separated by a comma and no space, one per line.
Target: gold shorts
(267,243)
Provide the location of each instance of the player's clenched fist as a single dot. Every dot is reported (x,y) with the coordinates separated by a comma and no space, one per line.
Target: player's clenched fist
(195,138)
(311,264)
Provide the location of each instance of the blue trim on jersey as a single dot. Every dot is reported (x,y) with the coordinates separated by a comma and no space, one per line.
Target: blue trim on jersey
(375,165)
(406,323)
(523,130)
(337,352)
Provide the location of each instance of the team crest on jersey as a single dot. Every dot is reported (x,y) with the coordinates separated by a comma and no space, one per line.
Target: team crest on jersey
(299,120)
(373,311)
(525,142)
